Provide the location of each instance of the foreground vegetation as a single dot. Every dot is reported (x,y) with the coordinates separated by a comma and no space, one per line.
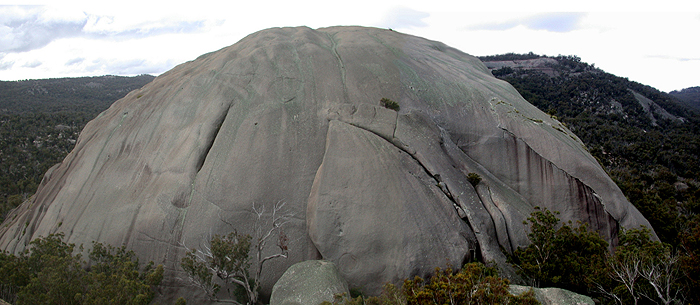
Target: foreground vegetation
(638,271)
(50,272)
(475,283)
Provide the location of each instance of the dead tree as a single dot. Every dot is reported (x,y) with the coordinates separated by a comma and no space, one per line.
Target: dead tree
(627,271)
(663,275)
(228,256)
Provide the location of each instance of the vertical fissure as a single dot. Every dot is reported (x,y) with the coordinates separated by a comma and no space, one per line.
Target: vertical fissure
(211,139)
(334,48)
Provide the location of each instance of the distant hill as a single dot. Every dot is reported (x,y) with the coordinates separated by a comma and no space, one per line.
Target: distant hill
(647,140)
(690,96)
(85,94)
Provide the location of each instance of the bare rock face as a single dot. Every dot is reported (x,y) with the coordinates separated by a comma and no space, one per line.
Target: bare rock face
(293,115)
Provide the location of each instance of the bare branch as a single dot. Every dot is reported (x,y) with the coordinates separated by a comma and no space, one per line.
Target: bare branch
(611,295)
(662,274)
(228,257)
(626,270)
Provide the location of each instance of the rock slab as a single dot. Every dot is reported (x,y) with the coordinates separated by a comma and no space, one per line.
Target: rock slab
(309,283)
(554,296)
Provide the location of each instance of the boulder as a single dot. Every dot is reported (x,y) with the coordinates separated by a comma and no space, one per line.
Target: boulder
(309,283)
(293,115)
(554,296)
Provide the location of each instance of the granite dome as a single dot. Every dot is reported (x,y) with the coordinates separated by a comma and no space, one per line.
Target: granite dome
(293,115)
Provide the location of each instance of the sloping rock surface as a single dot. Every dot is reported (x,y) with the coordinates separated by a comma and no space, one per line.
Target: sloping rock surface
(544,65)
(554,296)
(293,115)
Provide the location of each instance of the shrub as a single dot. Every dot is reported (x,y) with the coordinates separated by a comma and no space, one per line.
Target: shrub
(561,255)
(474,284)
(49,273)
(387,103)
(474,178)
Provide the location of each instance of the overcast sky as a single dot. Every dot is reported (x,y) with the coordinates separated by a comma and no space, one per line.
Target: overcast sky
(654,44)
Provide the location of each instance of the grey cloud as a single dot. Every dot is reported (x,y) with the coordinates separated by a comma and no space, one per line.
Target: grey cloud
(75,61)
(402,17)
(33,64)
(553,22)
(145,30)
(128,67)
(6,65)
(25,28)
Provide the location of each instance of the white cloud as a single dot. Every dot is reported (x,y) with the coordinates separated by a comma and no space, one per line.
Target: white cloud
(403,18)
(553,22)
(133,37)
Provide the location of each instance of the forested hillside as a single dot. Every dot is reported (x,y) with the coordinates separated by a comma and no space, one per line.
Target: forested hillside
(690,96)
(83,94)
(647,140)
(40,121)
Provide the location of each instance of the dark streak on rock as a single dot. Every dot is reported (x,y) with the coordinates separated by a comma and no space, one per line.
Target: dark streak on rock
(210,140)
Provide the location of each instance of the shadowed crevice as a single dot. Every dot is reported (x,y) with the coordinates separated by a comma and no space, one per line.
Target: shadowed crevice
(210,140)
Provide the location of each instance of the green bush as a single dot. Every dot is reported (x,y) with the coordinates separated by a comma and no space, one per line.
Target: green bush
(474,178)
(561,255)
(49,273)
(474,284)
(387,103)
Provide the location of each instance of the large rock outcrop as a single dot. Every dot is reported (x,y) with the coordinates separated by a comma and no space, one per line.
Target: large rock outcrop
(293,115)
(310,282)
